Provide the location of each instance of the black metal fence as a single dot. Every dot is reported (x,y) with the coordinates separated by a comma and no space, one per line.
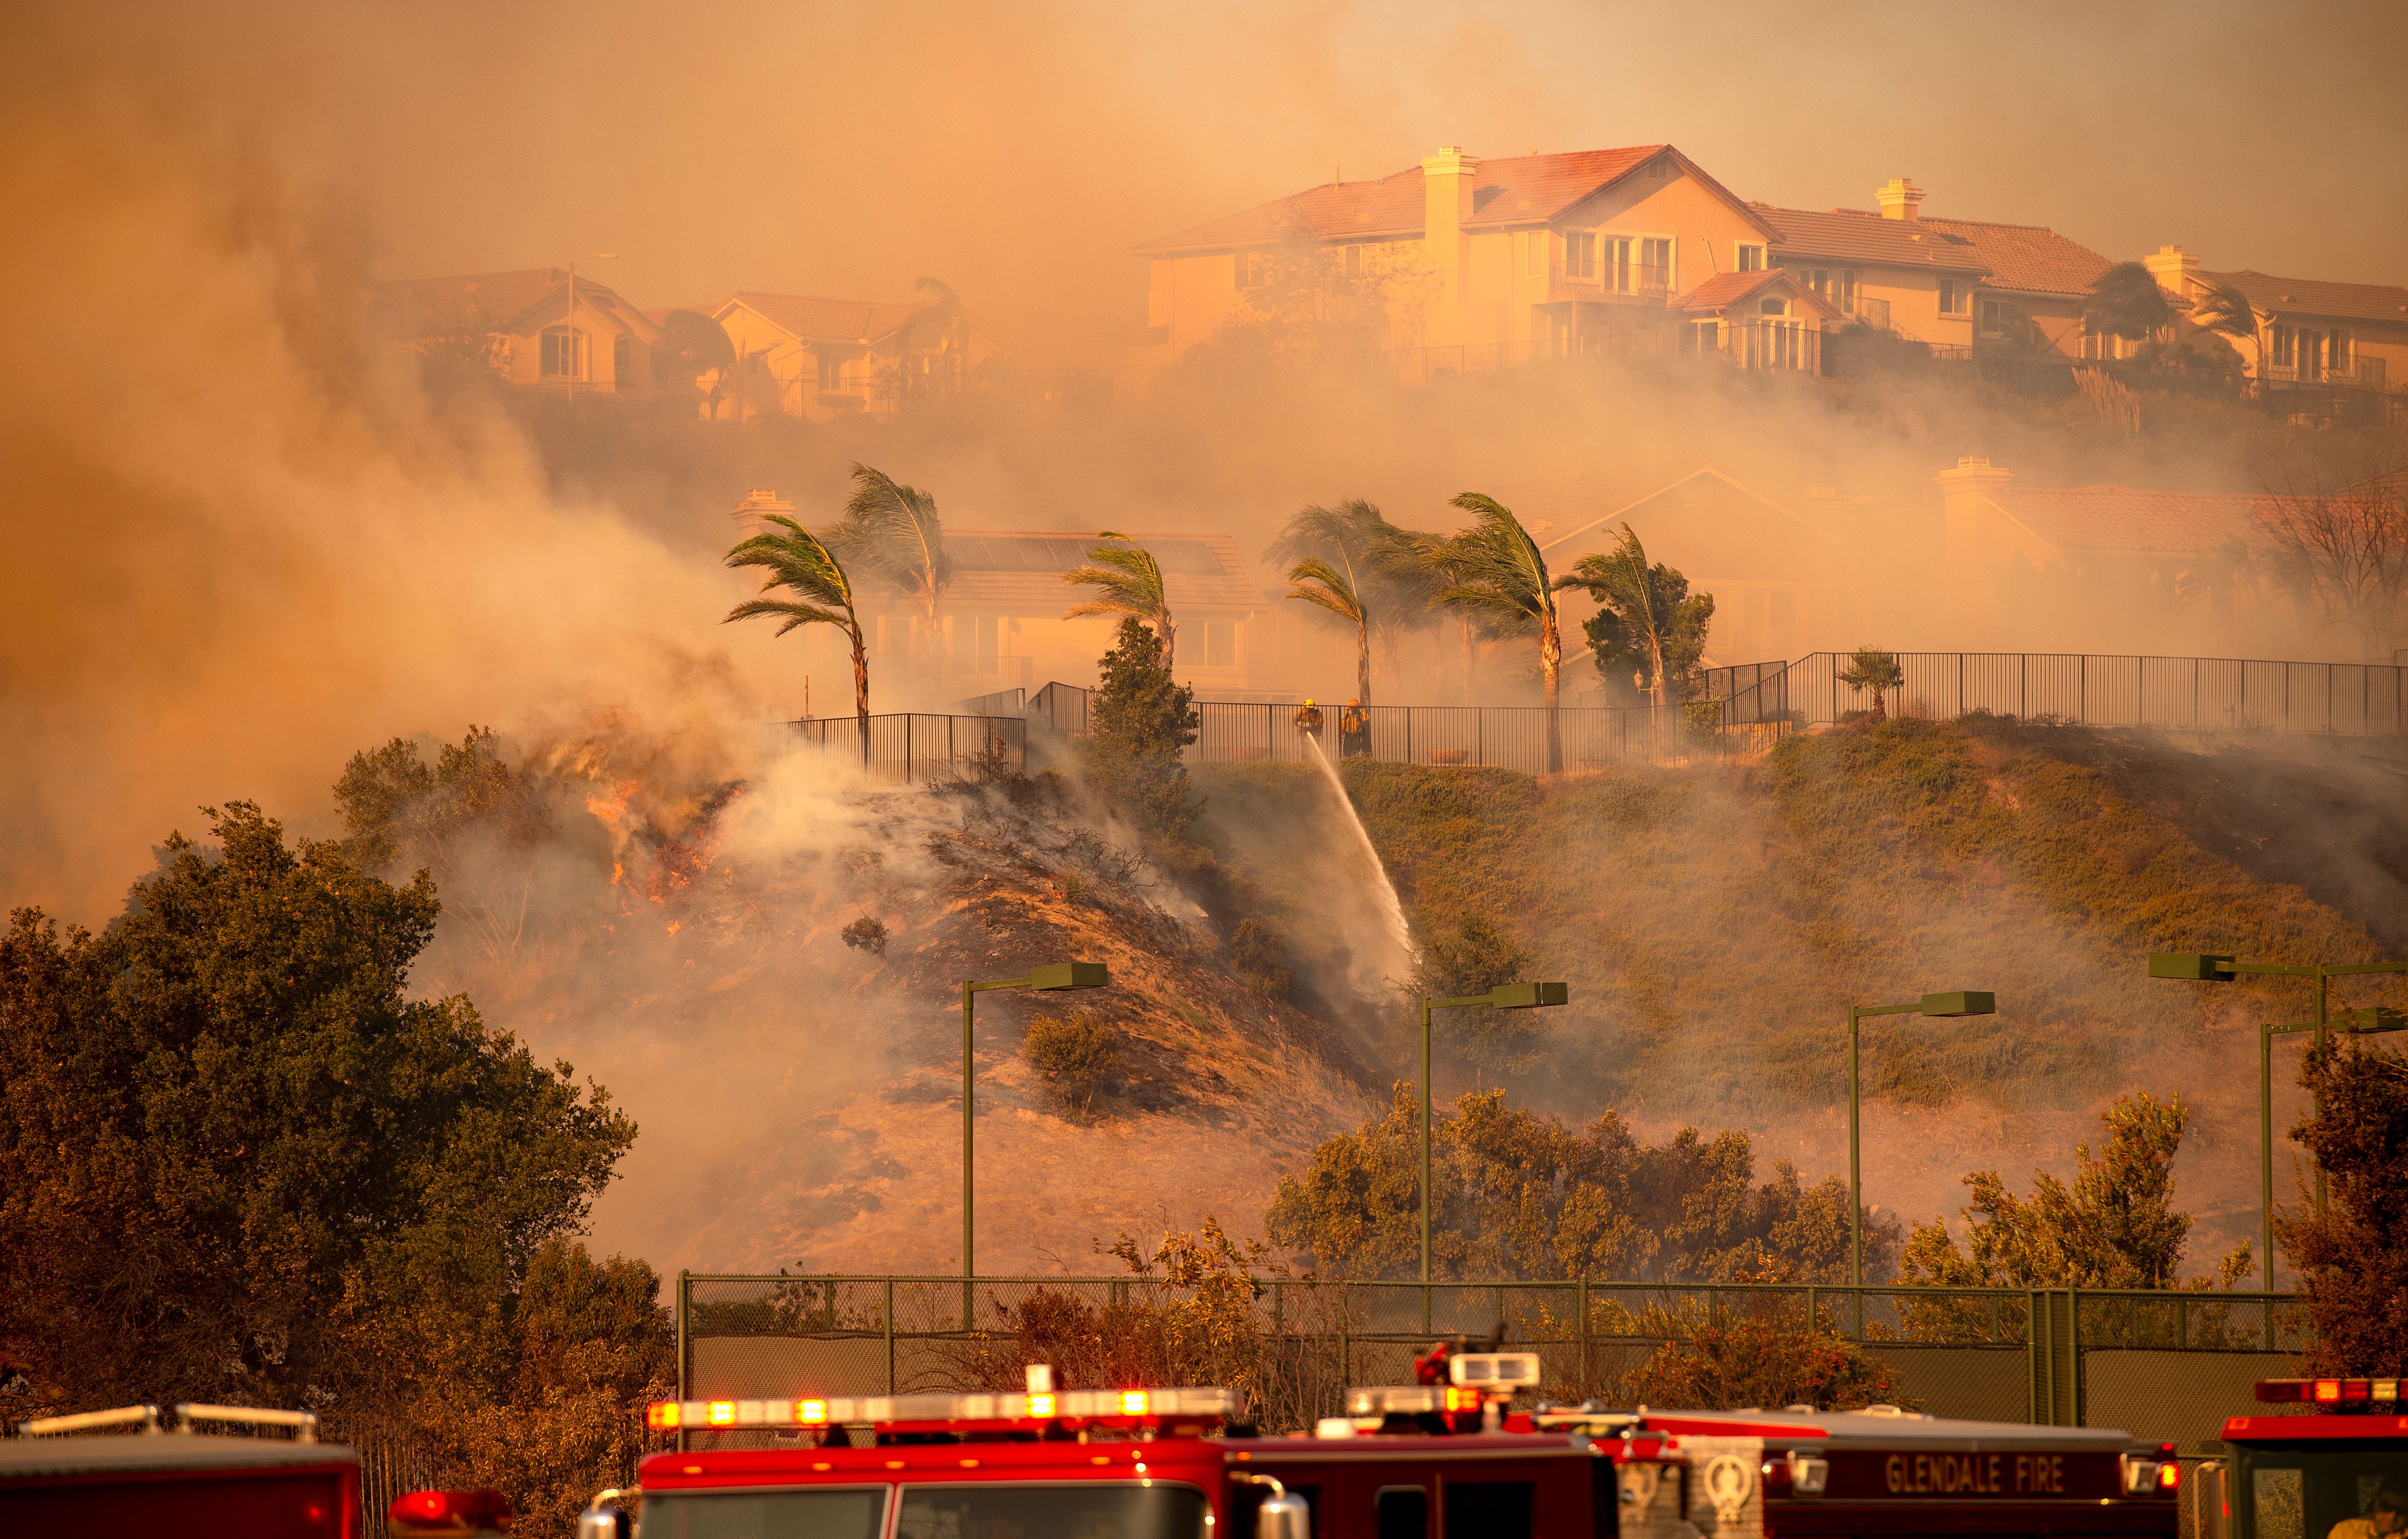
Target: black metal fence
(1502,737)
(910,747)
(2167,1366)
(2176,694)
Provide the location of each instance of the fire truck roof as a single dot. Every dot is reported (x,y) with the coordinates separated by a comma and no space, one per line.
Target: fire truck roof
(2316,1429)
(32,1457)
(1845,1429)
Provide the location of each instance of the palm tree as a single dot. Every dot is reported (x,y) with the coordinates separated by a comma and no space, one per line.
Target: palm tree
(1416,566)
(892,531)
(1502,580)
(1334,561)
(1127,580)
(797,561)
(2222,308)
(2126,302)
(1877,671)
(1646,613)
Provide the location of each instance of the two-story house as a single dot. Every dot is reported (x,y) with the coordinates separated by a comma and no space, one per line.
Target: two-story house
(2309,333)
(836,357)
(542,326)
(1953,284)
(1491,260)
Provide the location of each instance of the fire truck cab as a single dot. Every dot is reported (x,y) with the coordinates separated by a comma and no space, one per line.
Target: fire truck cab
(2336,1467)
(1418,1461)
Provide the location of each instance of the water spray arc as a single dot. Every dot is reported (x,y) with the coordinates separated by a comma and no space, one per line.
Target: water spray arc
(1392,908)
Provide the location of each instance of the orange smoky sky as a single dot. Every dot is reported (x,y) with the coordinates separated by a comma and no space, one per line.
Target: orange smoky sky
(1021,150)
(232,550)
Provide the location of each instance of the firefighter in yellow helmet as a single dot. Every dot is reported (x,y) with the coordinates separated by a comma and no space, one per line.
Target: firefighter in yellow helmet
(1354,730)
(1308,718)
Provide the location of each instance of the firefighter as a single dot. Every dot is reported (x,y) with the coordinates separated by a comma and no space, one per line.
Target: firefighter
(1308,718)
(1354,730)
(2386,1517)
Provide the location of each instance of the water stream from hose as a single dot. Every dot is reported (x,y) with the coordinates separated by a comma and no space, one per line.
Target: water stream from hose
(1392,909)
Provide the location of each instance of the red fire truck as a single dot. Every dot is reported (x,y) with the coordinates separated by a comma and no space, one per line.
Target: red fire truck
(2334,1466)
(1447,1461)
(187,1483)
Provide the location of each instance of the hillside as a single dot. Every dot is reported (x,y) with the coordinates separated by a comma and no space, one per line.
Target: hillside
(1714,922)
(798,1096)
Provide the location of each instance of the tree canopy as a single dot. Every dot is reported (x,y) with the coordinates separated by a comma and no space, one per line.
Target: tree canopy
(1647,626)
(2353,1257)
(237,1161)
(1516,1195)
(1139,720)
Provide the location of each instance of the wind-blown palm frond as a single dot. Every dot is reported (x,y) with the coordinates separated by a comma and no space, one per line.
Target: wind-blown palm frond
(1500,575)
(794,559)
(1339,559)
(894,532)
(1645,613)
(2222,306)
(1128,581)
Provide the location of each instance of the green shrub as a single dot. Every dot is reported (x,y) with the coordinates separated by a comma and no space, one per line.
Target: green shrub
(1074,1055)
(1753,1363)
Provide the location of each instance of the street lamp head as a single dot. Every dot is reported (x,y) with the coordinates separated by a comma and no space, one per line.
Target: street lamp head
(1069,975)
(2195,967)
(1965,1002)
(2370,1020)
(1526,996)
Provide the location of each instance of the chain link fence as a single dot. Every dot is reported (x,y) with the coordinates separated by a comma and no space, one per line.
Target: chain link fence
(2165,1365)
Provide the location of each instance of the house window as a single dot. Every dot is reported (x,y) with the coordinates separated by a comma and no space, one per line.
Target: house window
(1994,317)
(564,354)
(1703,336)
(1773,306)
(1952,297)
(621,352)
(1221,643)
(1818,279)
(1751,257)
(1846,298)
(2286,346)
(1253,269)
(1580,255)
(831,371)
(1642,266)
(2337,352)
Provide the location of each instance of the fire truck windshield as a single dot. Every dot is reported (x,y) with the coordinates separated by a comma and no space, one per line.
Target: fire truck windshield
(1018,1510)
(2327,1494)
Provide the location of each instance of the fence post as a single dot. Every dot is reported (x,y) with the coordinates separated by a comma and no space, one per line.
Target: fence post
(2035,1357)
(889,1335)
(2073,1354)
(1582,1328)
(1345,1342)
(685,1290)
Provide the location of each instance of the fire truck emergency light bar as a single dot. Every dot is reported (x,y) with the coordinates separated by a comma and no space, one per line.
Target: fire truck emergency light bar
(2365,1393)
(1104,1407)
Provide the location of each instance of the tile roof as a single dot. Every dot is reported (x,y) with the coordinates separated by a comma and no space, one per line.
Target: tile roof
(1851,235)
(1579,506)
(804,317)
(2315,296)
(2126,519)
(2026,258)
(502,299)
(1505,192)
(1021,571)
(1727,289)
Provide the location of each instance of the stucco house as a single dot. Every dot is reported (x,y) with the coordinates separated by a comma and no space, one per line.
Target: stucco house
(838,357)
(1955,284)
(1485,261)
(539,326)
(2311,335)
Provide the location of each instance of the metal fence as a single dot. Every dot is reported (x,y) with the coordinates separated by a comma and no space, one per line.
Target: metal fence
(1502,737)
(911,747)
(1002,702)
(2176,694)
(2166,1366)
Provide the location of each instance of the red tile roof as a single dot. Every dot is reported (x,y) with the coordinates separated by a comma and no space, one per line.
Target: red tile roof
(1851,235)
(2026,258)
(502,299)
(1020,572)
(2113,518)
(1727,289)
(1505,192)
(828,320)
(2315,296)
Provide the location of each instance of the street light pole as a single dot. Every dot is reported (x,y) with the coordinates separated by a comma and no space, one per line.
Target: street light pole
(1962,1003)
(2216,967)
(1503,997)
(1055,975)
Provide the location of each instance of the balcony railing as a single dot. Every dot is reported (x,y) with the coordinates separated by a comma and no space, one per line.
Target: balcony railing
(1606,285)
(1763,345)
(2356,374)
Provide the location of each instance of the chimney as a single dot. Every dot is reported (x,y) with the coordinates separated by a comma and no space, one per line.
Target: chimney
(1900,199)
(2176,270)
(758,504)
(1446,209)
(1970,530)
